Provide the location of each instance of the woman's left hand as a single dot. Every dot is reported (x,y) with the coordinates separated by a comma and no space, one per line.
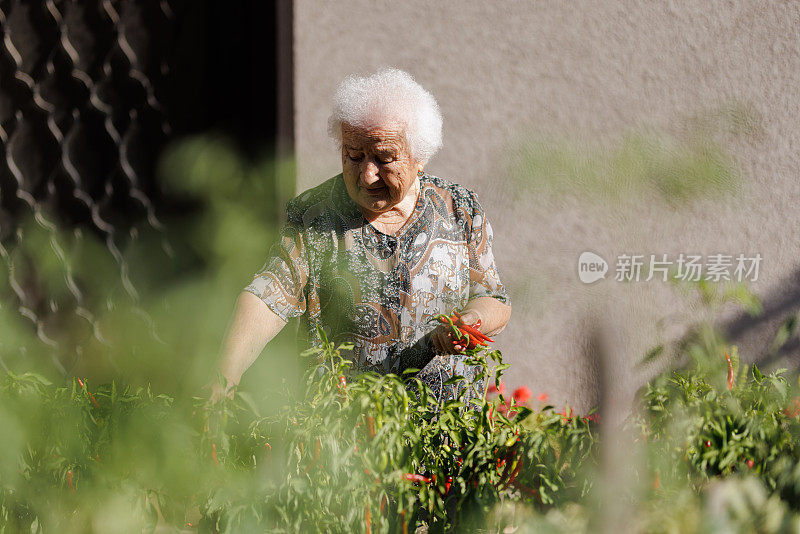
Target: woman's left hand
(442,336)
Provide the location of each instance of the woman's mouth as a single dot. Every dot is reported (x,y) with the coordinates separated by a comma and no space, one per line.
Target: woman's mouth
(376,191)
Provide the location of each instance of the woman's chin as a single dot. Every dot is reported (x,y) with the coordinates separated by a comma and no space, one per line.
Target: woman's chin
(373,204)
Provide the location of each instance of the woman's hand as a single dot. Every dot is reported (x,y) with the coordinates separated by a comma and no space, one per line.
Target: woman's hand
(442,339)
(219,392)
(252,326)
(442,336)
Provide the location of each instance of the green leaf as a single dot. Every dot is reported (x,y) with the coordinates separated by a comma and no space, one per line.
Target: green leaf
(523,412)
(455,380)
(652,354)
(757,376)
(786,331)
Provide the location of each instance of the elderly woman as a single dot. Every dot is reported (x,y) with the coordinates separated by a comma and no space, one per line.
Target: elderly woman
(374,254)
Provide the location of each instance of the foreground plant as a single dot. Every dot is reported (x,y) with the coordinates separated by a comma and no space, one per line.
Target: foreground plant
(385,445)
(711,443)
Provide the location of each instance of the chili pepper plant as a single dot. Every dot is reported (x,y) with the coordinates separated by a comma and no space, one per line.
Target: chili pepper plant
(712,442)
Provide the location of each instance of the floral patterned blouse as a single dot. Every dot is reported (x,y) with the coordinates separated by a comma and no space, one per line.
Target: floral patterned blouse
(378,291)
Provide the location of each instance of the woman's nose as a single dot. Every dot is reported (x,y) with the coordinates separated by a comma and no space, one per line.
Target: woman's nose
(369,172)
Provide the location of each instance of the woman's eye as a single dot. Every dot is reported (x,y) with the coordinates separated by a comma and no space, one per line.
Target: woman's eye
(386,159)
(357,157)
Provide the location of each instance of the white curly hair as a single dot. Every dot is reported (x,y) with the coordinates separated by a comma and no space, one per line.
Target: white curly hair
(389,96)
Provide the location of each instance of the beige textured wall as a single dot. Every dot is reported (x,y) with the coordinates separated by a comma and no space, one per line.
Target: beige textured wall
(586,72)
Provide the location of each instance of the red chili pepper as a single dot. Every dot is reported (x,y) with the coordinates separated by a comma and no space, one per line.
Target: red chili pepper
(457,332)
(447,484)
(514,474)
(708,443)
(317,450)
(470,330)
(445,320)
(525,489)
(403,521)
(411,477)
(750,463)
(214,453)
(474,342)
(730,371)
(368,520)
(371,425)
(449,321)
(505,476)
(474,337)
(566,414)
(793,411)
(493,389)
(522,394)
(383,504)
(471,342)
(89,393)
(69,481)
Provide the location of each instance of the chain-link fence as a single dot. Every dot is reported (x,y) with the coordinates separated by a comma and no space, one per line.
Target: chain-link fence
(91,93)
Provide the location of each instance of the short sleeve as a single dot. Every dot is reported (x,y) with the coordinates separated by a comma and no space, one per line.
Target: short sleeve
(484,281)
(281,282)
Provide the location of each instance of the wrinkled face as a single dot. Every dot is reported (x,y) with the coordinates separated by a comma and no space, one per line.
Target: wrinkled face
(378,169)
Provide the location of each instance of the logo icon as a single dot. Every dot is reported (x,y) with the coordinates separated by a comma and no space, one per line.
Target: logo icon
(591,267)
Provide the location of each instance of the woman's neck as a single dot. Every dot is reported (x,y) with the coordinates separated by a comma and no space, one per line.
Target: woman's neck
(392,220)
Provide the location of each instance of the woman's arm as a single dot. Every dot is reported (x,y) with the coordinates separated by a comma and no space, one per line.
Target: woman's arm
(493,314)
(252,327)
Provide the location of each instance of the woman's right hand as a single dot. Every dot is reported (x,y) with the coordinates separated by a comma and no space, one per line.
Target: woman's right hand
(219,392)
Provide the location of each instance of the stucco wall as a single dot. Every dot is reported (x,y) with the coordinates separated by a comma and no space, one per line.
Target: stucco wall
(586,73)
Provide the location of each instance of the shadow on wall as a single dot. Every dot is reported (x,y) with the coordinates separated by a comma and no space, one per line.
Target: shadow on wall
(771,338)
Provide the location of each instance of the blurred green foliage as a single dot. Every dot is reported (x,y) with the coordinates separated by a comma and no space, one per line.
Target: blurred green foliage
(718,444)
(129,444)
(672,168)
(348,452)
